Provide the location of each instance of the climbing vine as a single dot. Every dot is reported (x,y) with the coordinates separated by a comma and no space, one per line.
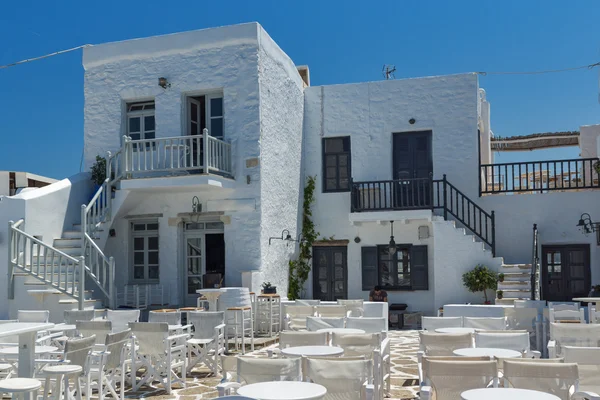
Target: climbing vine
(300,268)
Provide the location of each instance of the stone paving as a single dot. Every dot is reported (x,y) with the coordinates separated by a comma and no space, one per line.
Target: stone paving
(404,346)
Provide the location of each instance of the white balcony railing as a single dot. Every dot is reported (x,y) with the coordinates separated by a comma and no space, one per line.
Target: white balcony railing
(199,153)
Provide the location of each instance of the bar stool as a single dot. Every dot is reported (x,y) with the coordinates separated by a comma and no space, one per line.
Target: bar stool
(242,322)
(268,313)
(20,388)
(62,373)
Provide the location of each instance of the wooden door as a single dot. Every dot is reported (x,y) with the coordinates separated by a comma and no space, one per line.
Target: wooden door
(565,272)
(412,169)
(330,273)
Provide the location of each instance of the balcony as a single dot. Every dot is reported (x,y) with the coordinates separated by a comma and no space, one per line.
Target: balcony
(188,158)
(539,176)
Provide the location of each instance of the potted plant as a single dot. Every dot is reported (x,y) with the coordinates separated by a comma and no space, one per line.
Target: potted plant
(595,292)
(597,167)
(99,172)
(499,294)
(268,288)
(480,279)
(501,277)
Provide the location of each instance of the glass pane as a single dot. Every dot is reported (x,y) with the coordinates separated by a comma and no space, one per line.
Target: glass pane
(194,112)
(153,272)
(330,184)
(139,227)
(194,283)
(323,285)
(138,243)
(149,123)
(216,127)
(138,272)
(557,257)
(194,225)
(339,273)
(194,247)
(577,271)
(577,257)
(344,183)
(149,135)
(331,172)
(216,107)
(134,136)
(343,173)
(134,124)
(343,160)
(322,272)
(330,161)
(194,266)
(153,243)
(138,258)
(339,287)
(153,257)
(335,145)
(214,225)
(152,227)
(337,258)
(149,106)
(557,268)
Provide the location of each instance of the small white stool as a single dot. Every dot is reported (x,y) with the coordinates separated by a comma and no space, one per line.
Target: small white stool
(242,321)
(6,370)
(268,313)
(20,388)
(62,373)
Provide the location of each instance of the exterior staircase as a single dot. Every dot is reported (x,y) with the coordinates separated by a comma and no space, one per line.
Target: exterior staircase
(516,284)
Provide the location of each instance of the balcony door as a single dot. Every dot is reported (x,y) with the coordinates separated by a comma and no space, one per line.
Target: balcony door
(204,111)
(565,272)
(330,273)
(412,170)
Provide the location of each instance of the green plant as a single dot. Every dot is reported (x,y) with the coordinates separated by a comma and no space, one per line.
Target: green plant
(300,268)
(327,239)
(499,294)
(99,170)
(501,277)
(266,285)
(480,279)
(597,167)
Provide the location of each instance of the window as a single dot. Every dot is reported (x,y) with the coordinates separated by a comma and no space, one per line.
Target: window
(407,269)
(144,251)
(206,112)
(140,120)
(336,164)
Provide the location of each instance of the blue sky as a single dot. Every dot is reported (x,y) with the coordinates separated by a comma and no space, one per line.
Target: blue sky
(41,103)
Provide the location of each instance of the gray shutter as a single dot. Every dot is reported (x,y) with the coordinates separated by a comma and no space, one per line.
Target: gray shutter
(370,277)
(419,274)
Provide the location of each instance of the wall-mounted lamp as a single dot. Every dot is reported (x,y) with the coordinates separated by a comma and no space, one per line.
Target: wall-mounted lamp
(285,235)
(392,245)
(196,209)
(586,226)
(163,82)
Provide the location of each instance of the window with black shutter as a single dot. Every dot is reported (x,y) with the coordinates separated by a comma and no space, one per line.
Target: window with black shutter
(406,269)
(336,164)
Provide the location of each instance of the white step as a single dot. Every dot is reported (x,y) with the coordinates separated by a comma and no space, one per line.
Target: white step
(516,294)
(71,235)
(74,251)
(516,276)
(70,242)
(515,268)
(511,285)
(505,301)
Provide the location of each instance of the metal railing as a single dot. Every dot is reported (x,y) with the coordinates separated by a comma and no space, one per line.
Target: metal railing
(535,266)
(425,193)
(49,265)
(539,176)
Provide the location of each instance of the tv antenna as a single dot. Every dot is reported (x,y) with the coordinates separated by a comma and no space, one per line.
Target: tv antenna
(388,71)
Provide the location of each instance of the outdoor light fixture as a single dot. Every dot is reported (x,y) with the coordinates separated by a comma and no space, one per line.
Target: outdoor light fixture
(586,226)
(392,245)
(196,209)
(163,82)
(285,235)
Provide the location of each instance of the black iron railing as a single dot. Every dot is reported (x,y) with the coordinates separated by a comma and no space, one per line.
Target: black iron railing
(539,176)
(535,264)
(424,193)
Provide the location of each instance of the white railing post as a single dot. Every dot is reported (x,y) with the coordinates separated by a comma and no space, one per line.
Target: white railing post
(206,150)
(11,250)
(81,282)
(125,155)
(111,284)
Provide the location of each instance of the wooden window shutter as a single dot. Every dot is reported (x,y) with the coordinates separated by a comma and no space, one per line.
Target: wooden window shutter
(370,277)
(419,268)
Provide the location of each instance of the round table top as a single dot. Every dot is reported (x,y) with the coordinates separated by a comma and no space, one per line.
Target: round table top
(587,299)
(202,291)
(506,393)
(165,310)
(283,390)
(322,351)
(191,309)
(13,351)
(455,330)
(487,352)
(63,327)
(341,330)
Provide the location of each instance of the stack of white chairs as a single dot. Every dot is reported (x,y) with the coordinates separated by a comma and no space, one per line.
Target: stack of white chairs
(97,328)
(559,379)
(433,323)
(439,344)
(382,370)
(485,323)
(120,319)
(355,307)
(255,370)
(343,378)
(529,320)
(564,305)
(315,323)
(446,379)
(293,339)
(360,344)
(331,311)
(160,355)
(207,344)
(109,366)
(295,318)
(566,316)
(368,324)
(580,335)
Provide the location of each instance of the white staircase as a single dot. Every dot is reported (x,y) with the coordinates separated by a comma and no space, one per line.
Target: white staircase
(516,284)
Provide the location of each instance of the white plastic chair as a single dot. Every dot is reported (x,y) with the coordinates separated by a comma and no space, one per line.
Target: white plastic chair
(161,355)
(72,316)
(355,307)
(98,328)
(433,323)
(40,316)
(485,323)
(588,361)
(510,340)
(526,319)
(255,370)
(362,344)
(449,379)
(295,318)
(569,316)
(580,335)
(207,344)
(121,318)
(564,305)
(558,379)
(315,323)
(307,302)
(423,365)
(382,369)
(442,344)
(368,324)
(109,367)
(171,318)
(292,339)
(343,379)
(331,311)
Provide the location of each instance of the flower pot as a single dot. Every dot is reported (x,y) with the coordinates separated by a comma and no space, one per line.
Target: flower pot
(270,290)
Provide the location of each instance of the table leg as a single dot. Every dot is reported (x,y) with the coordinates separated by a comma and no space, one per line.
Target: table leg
(26,354)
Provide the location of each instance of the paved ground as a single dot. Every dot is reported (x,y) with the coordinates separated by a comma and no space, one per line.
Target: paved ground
(200,385)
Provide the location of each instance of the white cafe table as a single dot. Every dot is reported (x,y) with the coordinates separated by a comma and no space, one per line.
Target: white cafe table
(211,295)
(342,330)
(314,351)
(62,327)
(283,390)
(27,332)
(487,352)
(39,350)
(506,393)
(455,330)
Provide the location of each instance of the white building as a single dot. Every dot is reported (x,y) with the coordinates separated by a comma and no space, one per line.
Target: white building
(211,135)
(12,182)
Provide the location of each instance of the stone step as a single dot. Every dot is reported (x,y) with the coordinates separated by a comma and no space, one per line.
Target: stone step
(71,235)
(74,251)
(516,293)
(516,276)
(511,285)
(70,242)
(515,267)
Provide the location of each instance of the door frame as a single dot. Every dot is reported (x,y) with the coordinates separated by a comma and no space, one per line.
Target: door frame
(405,190)
(544,273)
(330,269)
(208,95)
(426,132)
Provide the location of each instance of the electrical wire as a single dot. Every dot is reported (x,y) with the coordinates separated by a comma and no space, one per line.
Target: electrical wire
(44,56)
(548,71)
